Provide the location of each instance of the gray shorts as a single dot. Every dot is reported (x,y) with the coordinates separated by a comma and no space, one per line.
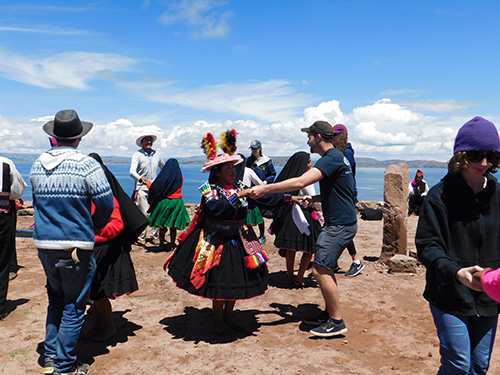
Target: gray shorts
(332,240)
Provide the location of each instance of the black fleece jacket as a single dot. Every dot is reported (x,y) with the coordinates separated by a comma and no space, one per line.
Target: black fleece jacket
(457,229)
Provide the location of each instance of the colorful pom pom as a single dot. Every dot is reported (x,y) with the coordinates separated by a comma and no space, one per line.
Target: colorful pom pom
(228,141)
(209,146)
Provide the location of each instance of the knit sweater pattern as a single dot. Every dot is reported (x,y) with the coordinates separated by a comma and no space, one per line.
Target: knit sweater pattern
(62,198)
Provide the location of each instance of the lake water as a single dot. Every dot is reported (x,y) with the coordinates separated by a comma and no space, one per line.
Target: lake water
(370,181)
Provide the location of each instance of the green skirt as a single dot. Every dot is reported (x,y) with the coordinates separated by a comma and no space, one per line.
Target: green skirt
(254,216)
(170,213)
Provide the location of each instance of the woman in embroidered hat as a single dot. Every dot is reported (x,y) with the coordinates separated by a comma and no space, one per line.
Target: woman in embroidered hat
(218,257)
(458,234)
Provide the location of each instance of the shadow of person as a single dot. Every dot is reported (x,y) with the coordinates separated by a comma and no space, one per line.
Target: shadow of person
(88,349)
(11,305)
(197,325)
(159,249)
(280,280)
(292,314)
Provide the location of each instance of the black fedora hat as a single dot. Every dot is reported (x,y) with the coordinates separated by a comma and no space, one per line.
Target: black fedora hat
(67,125)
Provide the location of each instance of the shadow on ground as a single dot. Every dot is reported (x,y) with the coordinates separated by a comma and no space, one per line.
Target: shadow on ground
(88,349)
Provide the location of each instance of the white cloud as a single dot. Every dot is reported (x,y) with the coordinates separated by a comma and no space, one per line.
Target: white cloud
(272,100)
(411,92)
(65,70)
(382,130)
(439,106)
(24,8)
(46,30)
(200,16)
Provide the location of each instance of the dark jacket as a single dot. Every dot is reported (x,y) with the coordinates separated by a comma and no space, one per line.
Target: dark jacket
(349,154)
(263,167)
(457,229)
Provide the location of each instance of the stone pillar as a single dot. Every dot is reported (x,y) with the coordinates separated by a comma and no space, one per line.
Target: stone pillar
(396,180)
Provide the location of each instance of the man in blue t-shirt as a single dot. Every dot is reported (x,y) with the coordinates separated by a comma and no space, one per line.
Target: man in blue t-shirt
(336,183)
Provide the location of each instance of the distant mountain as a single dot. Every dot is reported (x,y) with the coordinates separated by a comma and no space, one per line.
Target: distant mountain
(374,163)
(278,161)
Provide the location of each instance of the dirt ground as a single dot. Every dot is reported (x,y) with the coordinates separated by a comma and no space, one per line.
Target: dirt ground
(164,330)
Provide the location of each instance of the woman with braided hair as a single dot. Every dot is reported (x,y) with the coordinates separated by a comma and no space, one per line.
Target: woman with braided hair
(289,239)
(218,257)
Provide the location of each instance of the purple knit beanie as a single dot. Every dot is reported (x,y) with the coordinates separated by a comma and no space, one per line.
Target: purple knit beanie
(477,134)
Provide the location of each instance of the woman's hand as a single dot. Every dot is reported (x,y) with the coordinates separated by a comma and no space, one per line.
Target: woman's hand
(477,275)
(467,277)
(306,201)
(243,193)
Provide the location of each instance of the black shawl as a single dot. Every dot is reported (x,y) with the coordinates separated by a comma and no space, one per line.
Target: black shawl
(165,184)
(134,220)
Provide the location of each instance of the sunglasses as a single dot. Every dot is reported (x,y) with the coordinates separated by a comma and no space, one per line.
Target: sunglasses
(476,156)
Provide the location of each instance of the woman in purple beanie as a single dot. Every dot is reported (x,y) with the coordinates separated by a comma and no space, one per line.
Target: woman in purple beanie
(458,234)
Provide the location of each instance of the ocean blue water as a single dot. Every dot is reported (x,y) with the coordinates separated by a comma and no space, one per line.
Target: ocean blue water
(370,181)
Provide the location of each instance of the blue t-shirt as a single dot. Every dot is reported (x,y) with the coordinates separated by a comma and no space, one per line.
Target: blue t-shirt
(337,188)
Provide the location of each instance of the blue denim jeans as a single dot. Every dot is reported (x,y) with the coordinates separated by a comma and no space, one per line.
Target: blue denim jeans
(466,342)
(68,286)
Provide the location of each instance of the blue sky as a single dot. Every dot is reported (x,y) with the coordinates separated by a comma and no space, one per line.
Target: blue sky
(402,75)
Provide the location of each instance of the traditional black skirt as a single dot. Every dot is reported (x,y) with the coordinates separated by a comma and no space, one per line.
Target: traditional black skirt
(288,235)
(115,274)
(230,280)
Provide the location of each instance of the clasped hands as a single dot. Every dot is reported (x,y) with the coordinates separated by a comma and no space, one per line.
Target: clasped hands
(258,191)
(471,277)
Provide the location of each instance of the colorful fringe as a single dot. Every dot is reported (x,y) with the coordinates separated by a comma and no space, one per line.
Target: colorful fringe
(256,260)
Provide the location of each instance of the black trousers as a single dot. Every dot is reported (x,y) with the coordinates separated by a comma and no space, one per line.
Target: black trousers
(7,235)
(14,267)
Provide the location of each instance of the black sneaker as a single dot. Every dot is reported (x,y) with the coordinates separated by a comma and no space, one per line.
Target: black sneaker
(336,268)
(78,369)
(355,269)
(329,328)
(48,368)
(318,319)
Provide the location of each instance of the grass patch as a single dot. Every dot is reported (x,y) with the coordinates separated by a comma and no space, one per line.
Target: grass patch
(20,312)
(17,352)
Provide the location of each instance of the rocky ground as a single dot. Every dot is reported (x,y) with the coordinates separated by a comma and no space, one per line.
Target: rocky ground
(164,330)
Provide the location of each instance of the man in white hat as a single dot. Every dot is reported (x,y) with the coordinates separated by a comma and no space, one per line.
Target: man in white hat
(66,183)
(144,169)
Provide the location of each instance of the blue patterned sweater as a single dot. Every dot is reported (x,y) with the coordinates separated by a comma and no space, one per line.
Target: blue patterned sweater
(64,183)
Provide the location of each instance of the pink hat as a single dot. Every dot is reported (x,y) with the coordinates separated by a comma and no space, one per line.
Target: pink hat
(339,128)
(221,159)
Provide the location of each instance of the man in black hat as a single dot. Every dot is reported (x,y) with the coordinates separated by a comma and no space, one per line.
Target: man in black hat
(66,183)
(336,182)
